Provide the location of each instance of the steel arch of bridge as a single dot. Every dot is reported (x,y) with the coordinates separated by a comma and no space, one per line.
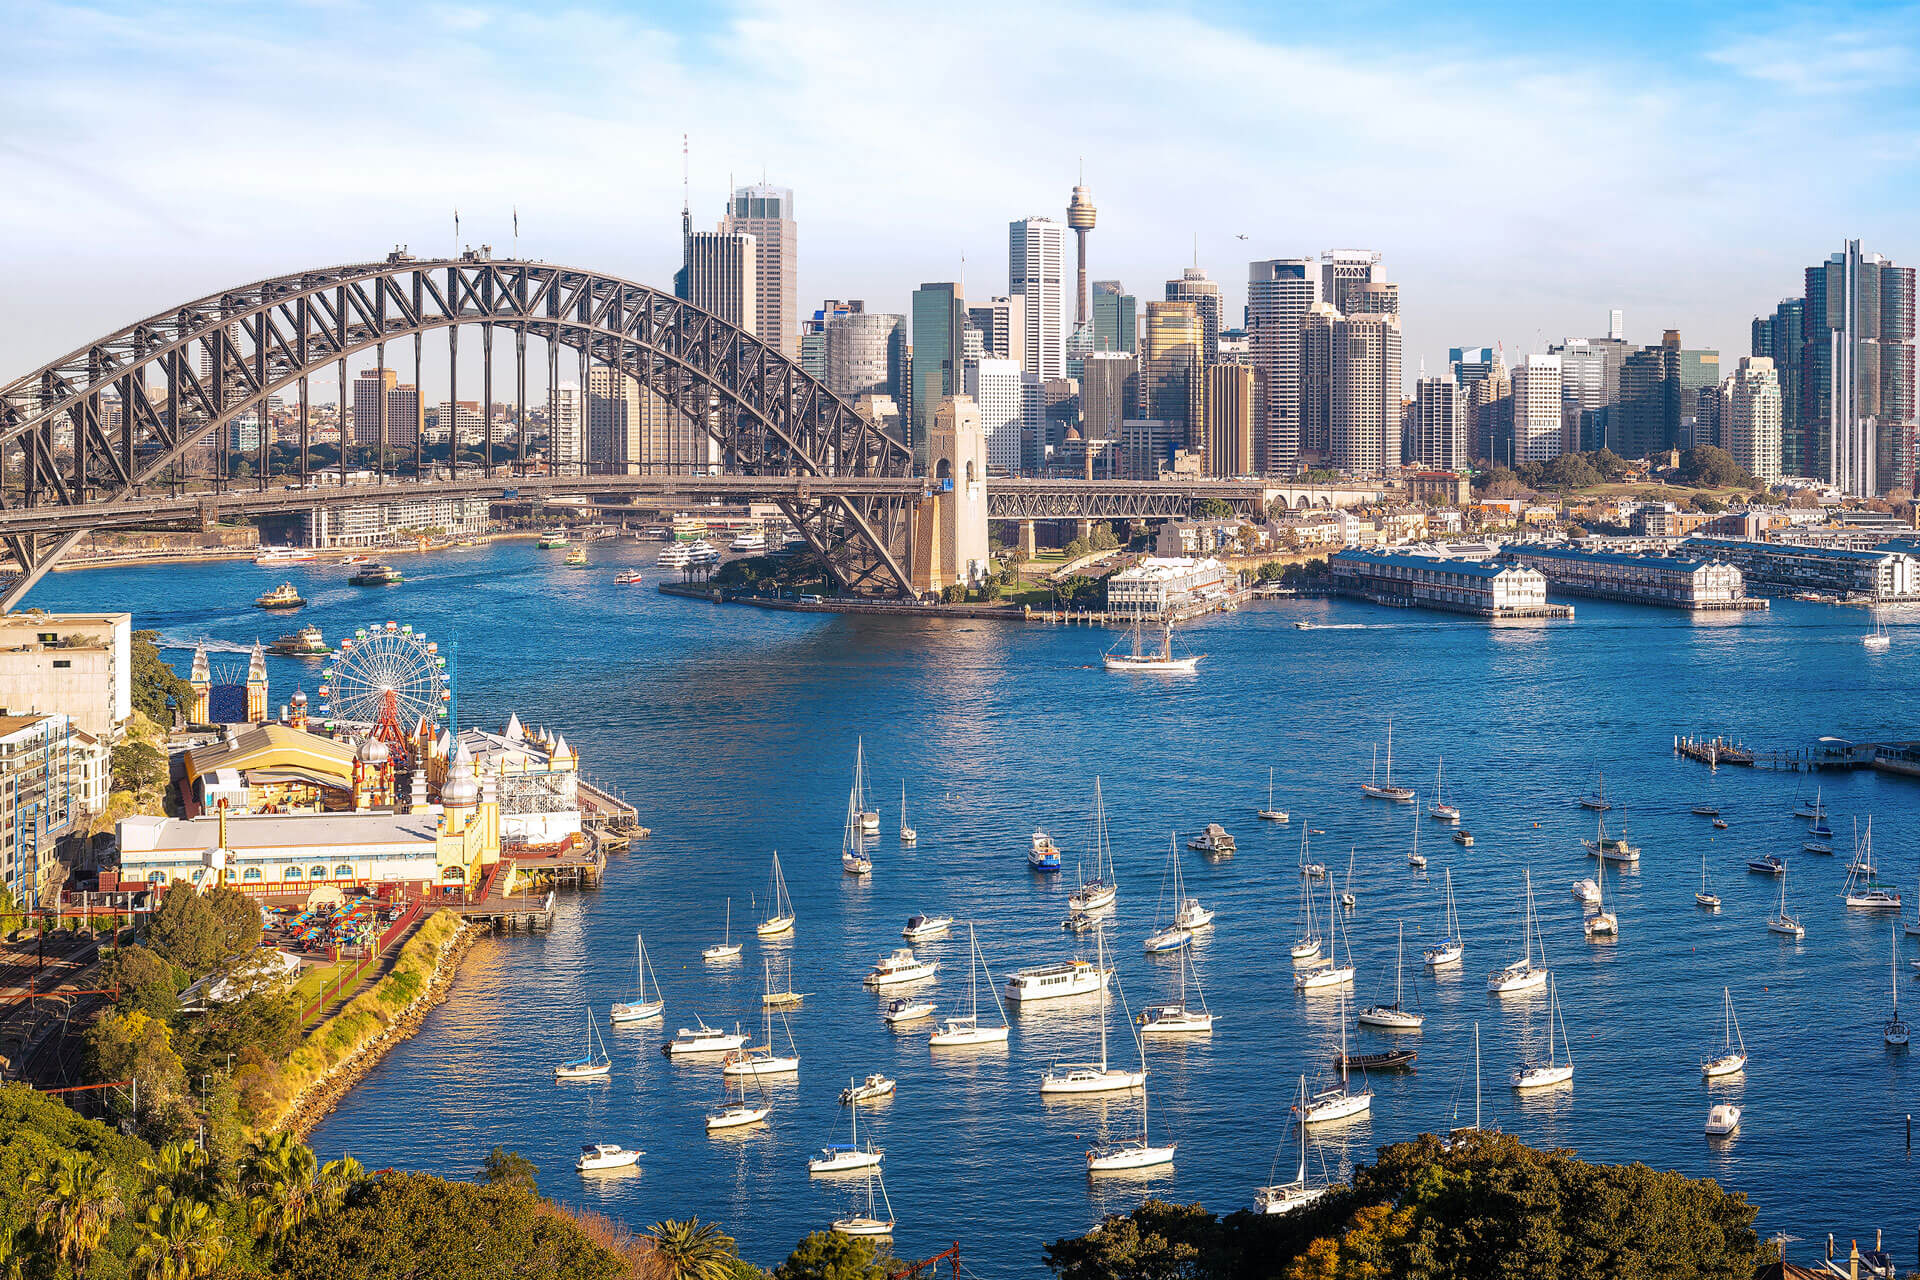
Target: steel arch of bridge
(214,358)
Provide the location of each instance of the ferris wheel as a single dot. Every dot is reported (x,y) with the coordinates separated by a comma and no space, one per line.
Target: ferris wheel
(386,679)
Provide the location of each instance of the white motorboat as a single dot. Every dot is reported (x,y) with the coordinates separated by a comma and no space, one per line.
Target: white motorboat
(1329,972)
(1093,1077)
(920,928)
(1270,813)
(748,540)
(597,1157)
(1393,1017)
(908,836)
(848,1156)
(1214,841)
(874,1086)
(726,948)
(1706,897)
(1464,839)
(1611,848)
(1895,1031)
(960,1032)
(1450,947)
(1782,921)
(1553,1071)
(1732,1057)
(907,1009)
(1440,810)
(1146,660)
(1178,1017)
(1132,1153)
(781,921)
(594,1064)
(701,1038)
(900,967)
(642,1007)
(869,1224)
(1863,891)
(1338,1103)
(1075,977)
(1587,890)
(1523,974)
(1382,788)
(1100,892)
(1285,1197)
(1723,1118)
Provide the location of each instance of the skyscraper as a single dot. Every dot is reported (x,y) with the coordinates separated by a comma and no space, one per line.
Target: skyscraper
(939,346)
(1440,421)
(1363,408)
(1342,272)
(866,355)
(1280,292)
(1116,318)
(1316,383)
(1590,385)
(1194,286)
(402,404)
(1002,326)
(564,438)
(1537,413)
(997,390)
(1109,393)
(1780,338)
(1036,265)
(1647,417)
(722,276)
(1750,416)
(1482,375)
(1857,372)
(766,213)
(1080,215)
(1230,391)
(1171,390)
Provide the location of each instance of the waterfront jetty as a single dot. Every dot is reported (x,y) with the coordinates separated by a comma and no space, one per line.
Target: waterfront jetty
(1901,758)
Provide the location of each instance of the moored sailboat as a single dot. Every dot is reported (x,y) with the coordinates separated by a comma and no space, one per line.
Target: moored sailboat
(1088,1077)
(1523,974)
(1553,1071)
(592,1065)
(1440,810)
(1393,1017)
(1341,1101)
(1285,1197)
(1733,1051)
(726,948)
(1272,813)
(781,921)
(1099,892)
(642,1006)
(963,1031)
(1382,788)
(1178,1017)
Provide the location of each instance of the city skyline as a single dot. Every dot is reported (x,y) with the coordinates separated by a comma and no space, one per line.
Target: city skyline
(1700,232)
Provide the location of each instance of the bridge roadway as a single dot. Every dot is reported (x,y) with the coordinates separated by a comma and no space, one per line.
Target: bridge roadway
(1007,499)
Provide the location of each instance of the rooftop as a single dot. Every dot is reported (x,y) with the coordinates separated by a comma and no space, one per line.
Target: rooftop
(275,746)
(1436,564)
(1789,548)
(143,834)
(1610,557)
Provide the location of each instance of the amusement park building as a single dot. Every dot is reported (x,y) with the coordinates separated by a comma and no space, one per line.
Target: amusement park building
(537,777)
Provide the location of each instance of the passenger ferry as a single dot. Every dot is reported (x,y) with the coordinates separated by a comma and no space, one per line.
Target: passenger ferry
(374,575)
(1043,854)
(627,578)
(281,597)
(307,642)
(1052,981)
(750,540)
(553,539)
(282,555)
(688,555)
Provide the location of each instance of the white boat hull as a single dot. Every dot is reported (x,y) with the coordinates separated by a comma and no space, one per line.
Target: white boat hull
(775,927)
(1517,978)
(1287,1198)
(1441,957)
(931,929)
(1541,1077)
(1093,899)
(1787,928)
(688,1043)
(1388,1019)
(1710,901)
(724,951)
(1725,1065)
(1601,924)
(609,1160)
(1275,815)
(1194,917)
(773,1066)
(1167,940)
(736,1118)
(911,1013)
(596,1071)
(1175,1022)
(844,1162)
(1329,976)
(1398,795)
(1342,1106)
(625,1013)
(956,1036)
(900,977)
(865,1227)
(1723,1120)
(1090,1080)
(1127,662)
(1306,949)
(1128,1155)
(1087,982)
(855,865)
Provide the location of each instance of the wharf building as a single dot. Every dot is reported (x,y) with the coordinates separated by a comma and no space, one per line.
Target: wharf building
(1478,587)
(1778,568)
(1168,586)
(1696,583)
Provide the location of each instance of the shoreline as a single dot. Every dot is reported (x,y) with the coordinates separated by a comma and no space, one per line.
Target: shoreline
(211,555)
(319,1099)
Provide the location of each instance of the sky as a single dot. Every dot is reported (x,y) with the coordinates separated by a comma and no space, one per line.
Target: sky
(1521,168)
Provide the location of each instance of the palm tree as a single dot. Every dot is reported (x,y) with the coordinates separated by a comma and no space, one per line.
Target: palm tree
(277,1177)
(178,1169)
(179,1240)
(692,1250)
(337,1177)
(78,1199)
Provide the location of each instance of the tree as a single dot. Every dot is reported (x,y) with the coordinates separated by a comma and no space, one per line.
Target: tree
(337,1178)
(179,1240)
(1709,467)
(400,1226)
(277,1178)
(828,1255)
(1103,539)
(138,766)
(197,931)
(77,1198)
(1157,1241)
(1212,509)
(153,681)
(693,1250)
(1078,547)
(137,1047)
(178,1171)
(511,1171)
(146,981)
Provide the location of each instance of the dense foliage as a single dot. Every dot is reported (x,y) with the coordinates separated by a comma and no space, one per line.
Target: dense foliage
(1488,1206)
(154,681)
(1708,467)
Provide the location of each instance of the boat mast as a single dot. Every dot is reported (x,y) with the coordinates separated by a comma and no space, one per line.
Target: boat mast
(1476,1075)
(1400,959)
(1302,1177)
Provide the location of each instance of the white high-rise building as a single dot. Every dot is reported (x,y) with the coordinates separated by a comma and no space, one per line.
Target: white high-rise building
(1440,423)
(766,213)
(1537,415)
(1036,271)
(1343,272)
(1280,293)
(1364,402)
(564,437)
(1750,416)
(722,274)
(997,390)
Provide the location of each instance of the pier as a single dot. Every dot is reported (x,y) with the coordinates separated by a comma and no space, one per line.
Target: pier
(1828,753)
(609,821)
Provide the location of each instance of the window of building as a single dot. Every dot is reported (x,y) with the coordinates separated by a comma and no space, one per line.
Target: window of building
(290,873)
(156,877)
(62,663)
(251,873)
(318,871)
(344,871)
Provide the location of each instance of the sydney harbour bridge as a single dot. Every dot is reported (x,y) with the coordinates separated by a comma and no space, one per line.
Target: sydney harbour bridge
(117,434)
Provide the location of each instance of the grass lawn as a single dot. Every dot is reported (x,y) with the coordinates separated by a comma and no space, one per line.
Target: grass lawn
(315,979)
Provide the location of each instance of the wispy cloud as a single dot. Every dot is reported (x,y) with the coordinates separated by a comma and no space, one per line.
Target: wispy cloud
(1833,53)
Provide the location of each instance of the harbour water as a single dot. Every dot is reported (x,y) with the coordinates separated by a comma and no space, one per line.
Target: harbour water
(733,731)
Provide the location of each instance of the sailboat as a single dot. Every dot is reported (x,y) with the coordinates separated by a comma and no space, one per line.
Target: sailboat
(1086,1077)
(640,1008)
(1133,1153)
(848,1156)
(1147,660)
(1781,921)
(868,819)
(726,948)
(1177,1018)
(1327,972)
(853,832)
(1270,813)
(1346,891)
(1553,1071)
(749,1060)
(1611,848)
(1175,936)
(592,1065)
(1733,1051)
(1877,640)
(1415,858)
(1336,1103)
(1895,1031)
(908,836)
(1440,810)
(1285,1197)
(1597,798)
(1451,946)
(956,1032)
(869,1223)
(1307,946)
(1460,1131)
(1864,890)
(1523,974)
(735,1115)
(786,997)
(1812,810)
(1706,897)
(781,921)
(1383,789)
(1391,1017)
(1099,892)
(1600,922)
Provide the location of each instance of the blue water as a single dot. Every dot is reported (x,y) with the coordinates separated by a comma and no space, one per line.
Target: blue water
(733,730)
